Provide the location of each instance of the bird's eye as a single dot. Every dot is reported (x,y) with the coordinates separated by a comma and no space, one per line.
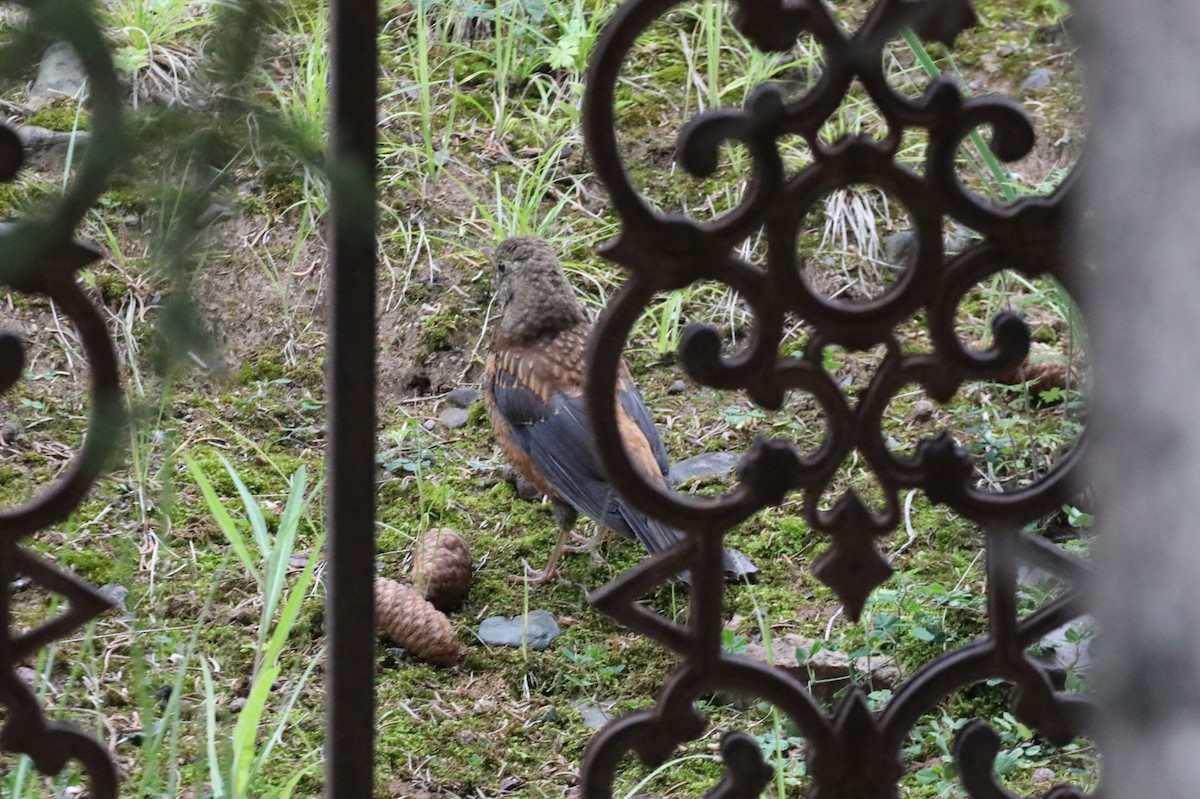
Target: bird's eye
(500,266)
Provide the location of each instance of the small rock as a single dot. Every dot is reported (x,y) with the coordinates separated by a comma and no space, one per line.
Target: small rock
(525,489)
(114,593)
(538,630)
(510,784)
(236,704)
(1033,576)
(594,716)
(214,212)
(463,397)
(46,150)
(1040,78)
(10,433)
(61,74)
(707,464)
(454,418)
(922,411)
(26,675)
(1042,775)
(429,424)
(900,249)
(678,387)
(958,241)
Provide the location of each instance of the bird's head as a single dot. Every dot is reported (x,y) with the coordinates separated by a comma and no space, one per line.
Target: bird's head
(531,288)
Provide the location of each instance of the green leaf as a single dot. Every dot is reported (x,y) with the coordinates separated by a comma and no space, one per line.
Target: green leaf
(224,521)
(253,512)
(921,634)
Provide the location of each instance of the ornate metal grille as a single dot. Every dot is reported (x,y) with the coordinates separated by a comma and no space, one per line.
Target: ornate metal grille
(854,753)
(40,257)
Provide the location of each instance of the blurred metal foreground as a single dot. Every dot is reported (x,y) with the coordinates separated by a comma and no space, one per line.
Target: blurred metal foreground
(350,376)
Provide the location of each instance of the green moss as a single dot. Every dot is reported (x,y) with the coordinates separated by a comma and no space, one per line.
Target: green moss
(63,116)
(90,564)
(438,329)
(127,197)
(477,415)
(22,195)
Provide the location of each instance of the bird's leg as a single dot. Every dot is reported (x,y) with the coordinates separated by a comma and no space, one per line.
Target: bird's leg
(565,516)
(589,544)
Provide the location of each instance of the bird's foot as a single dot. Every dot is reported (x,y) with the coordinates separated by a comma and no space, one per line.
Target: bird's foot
(532,577)
(589,544)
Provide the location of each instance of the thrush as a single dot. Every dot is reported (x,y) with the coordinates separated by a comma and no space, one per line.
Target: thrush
(535,402)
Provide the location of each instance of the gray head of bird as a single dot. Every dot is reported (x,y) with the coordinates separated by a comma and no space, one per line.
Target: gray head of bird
(532,291)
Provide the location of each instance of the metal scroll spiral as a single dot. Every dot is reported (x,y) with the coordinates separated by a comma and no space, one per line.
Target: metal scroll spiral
(40,256)
(855,753)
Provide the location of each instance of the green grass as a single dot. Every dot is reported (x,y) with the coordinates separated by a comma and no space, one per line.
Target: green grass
(208,683)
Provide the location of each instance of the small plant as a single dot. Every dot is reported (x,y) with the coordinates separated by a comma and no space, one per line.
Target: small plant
(593,669)
(234,764)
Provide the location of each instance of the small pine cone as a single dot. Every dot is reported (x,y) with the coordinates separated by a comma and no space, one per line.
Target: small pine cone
(415,624)
(441,568)
(1040,376)
(1047,375)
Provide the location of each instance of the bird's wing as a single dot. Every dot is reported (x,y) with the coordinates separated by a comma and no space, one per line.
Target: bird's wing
(635,408)
(542,401)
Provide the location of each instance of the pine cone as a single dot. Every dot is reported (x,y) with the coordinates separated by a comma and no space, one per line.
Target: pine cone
(441,568)
(1041,376)
(415,624)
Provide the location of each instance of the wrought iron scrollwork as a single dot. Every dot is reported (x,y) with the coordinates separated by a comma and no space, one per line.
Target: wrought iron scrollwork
(854,753)
(40,256)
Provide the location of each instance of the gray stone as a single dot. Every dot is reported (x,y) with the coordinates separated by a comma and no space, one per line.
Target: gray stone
(1035,577)
(214,213)
(900,249)
(525,489)
(1042,775)
(594,716)
(538,630)
(707,464)
(958,241)
(61,74)
(922,411)
(10,433)
(454,418)
(463,397)
(429,424)
(114,593)
(46,150)
(678,387)
(1040,78)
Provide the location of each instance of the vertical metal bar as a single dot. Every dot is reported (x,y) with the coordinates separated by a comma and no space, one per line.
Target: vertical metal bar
(350,374)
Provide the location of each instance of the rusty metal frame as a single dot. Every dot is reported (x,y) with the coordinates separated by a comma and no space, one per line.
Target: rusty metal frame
(350,375)
(855,752)
(41,257)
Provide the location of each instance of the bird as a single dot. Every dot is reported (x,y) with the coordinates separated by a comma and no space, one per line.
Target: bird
(534,394)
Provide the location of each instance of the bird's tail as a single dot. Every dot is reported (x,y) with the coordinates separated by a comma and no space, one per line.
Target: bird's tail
(656,537)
